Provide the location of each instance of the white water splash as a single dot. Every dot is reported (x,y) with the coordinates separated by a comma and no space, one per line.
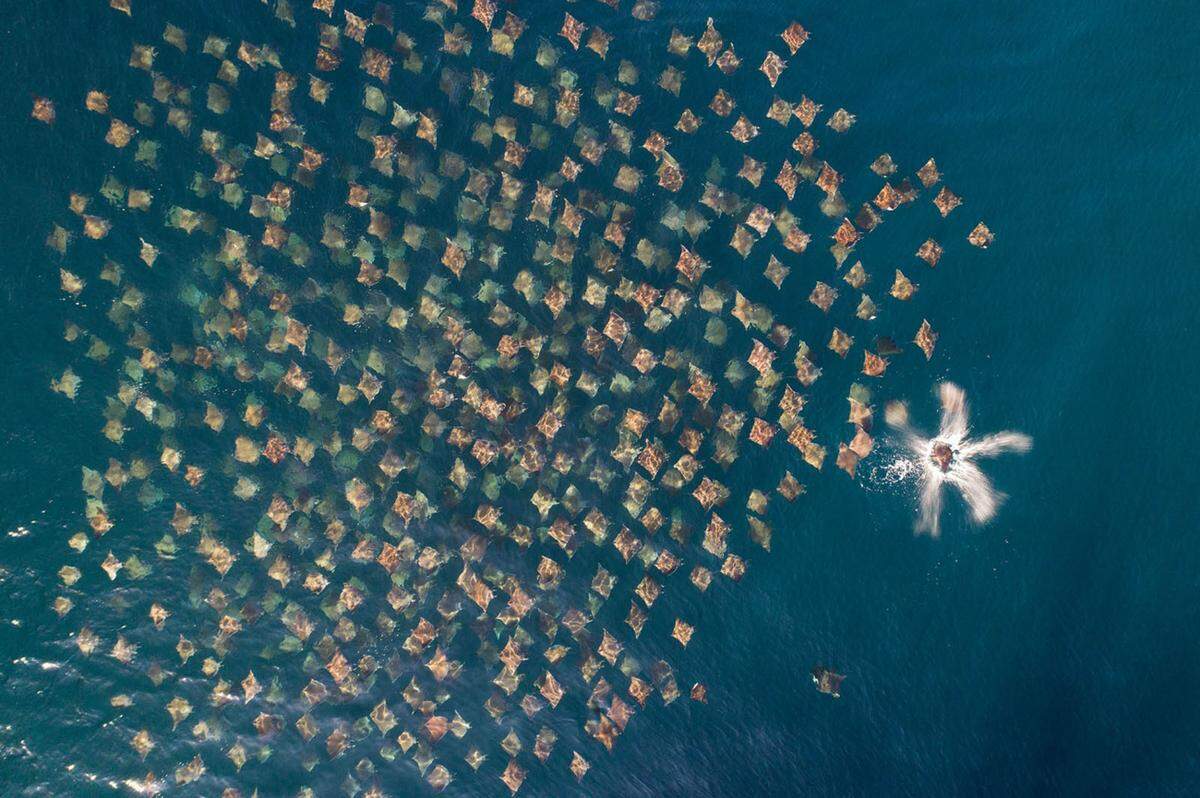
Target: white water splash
(895,471)
(949,459)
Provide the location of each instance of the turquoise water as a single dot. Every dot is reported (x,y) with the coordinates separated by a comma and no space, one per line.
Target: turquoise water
(1052,652)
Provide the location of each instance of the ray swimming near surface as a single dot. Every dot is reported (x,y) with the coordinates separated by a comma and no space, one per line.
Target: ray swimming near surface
(441,354)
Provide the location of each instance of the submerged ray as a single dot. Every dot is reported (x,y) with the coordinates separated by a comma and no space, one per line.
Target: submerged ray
(431,385)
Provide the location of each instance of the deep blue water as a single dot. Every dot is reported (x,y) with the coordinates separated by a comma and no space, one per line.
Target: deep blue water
(1054,652)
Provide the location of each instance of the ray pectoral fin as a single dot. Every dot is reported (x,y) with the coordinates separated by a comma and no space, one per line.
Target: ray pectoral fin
(954,412)
(997,444)
(976,489)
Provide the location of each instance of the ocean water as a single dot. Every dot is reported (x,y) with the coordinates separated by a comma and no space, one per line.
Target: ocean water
(1053,652)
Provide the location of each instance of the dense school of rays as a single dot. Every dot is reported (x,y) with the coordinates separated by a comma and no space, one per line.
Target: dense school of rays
(468,430)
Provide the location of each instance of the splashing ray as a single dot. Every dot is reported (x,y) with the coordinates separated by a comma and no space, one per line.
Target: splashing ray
(948,459)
